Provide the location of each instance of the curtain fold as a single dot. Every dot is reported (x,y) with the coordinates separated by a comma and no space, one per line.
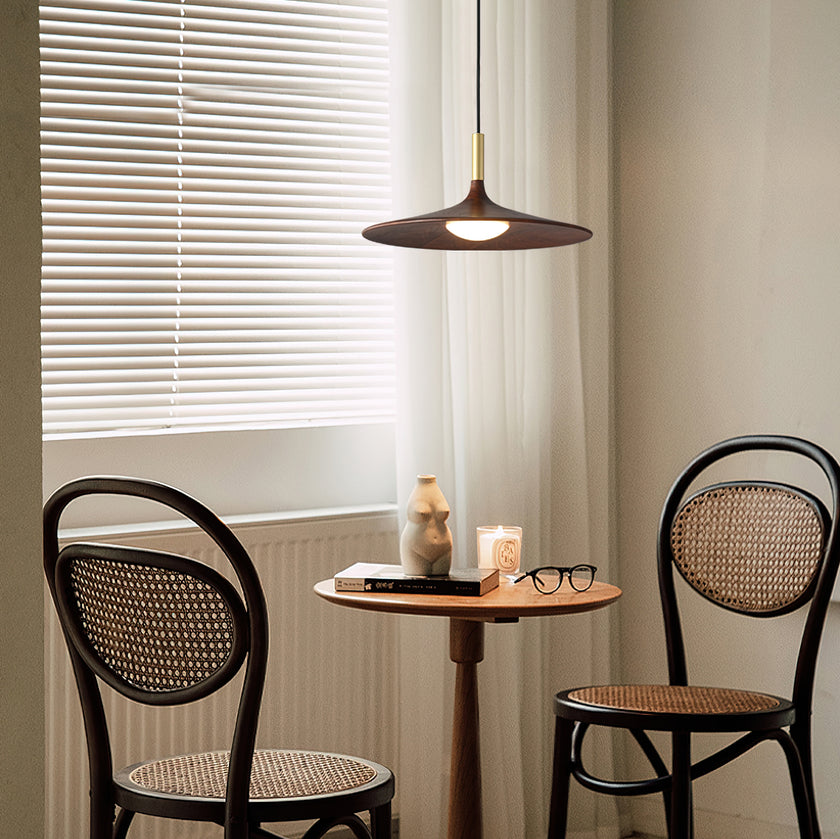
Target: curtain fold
(503,376)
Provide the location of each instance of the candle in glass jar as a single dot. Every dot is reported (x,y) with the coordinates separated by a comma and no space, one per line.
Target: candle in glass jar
(499,546)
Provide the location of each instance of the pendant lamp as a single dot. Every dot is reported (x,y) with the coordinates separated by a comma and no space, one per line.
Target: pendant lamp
(476,223)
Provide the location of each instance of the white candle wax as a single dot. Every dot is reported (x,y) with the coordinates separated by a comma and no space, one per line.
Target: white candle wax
(499,547)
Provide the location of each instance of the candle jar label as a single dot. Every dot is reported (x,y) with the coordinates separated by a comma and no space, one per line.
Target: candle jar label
(499,547)
(506,555)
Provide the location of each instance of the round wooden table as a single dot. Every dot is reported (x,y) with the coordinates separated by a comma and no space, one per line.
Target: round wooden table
(467,616)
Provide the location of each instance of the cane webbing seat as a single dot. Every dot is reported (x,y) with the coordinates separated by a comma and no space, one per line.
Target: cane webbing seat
(756,548)
(164,629)
(675,699)
(275,773)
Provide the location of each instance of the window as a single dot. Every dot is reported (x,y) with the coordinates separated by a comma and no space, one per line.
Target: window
(206,171)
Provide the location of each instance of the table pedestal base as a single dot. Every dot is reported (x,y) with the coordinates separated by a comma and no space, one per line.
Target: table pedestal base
(466,649)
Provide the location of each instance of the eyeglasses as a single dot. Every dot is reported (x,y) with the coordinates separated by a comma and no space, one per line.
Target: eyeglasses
(548,578)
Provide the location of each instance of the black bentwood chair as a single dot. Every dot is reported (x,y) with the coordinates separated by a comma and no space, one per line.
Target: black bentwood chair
(163,629)
(757,548)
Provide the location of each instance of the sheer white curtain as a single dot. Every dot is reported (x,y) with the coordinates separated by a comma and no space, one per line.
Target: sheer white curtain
(503,370)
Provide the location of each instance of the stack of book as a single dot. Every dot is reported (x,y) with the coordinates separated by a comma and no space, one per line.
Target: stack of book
(367,576)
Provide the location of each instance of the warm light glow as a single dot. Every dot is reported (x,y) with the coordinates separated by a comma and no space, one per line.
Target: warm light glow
(476,230)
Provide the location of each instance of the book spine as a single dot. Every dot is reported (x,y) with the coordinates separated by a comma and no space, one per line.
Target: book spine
(342,584)
(455,587)
(412,585)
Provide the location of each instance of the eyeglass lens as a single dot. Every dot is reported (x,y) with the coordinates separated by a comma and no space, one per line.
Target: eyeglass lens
(547,580)
(581,577)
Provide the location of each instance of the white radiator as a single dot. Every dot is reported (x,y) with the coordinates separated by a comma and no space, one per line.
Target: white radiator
(331,681)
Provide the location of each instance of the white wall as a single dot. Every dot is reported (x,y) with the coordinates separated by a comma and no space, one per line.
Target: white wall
(727,301)
(21,592)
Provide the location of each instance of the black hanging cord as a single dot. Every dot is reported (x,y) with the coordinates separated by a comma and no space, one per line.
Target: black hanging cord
(478,66)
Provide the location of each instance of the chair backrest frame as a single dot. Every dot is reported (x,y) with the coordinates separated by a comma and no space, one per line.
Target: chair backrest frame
(100,758)
(816,597)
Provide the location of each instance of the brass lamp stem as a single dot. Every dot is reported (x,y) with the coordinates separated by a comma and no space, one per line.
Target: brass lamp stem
(478,157)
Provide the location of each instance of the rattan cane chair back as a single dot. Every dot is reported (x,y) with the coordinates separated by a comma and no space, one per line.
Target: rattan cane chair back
(754,548)
(157,627)
(758,548)
(164,629)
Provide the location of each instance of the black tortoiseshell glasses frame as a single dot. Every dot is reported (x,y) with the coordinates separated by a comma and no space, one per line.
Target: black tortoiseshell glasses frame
(548,578)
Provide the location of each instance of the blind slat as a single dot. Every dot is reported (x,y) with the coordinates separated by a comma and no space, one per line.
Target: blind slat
(206,171)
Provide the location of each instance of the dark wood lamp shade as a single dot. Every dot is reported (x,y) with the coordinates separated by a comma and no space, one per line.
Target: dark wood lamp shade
(430,230)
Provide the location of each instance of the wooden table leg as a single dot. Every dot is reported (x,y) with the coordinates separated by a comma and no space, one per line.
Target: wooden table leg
(466,649)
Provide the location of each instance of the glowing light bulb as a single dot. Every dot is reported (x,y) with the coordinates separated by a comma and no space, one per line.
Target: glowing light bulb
(476,230)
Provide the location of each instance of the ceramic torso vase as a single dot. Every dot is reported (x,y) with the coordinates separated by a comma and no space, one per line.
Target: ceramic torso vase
(426,541)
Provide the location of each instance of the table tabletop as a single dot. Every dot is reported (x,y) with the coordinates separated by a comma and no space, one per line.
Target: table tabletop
(509,602)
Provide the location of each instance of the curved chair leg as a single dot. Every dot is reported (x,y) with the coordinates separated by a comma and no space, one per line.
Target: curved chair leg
(681,821)
(380,822)
(561,775)
(323,826)
(659,767)
(122,823)
(802,784)
(801,735)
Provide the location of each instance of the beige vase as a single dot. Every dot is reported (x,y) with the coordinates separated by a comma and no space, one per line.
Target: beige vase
(426,541)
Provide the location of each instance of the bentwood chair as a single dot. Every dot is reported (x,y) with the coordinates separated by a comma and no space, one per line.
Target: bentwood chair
(163,629)
(757,548)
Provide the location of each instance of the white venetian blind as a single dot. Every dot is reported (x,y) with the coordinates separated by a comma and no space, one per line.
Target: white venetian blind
(206,171)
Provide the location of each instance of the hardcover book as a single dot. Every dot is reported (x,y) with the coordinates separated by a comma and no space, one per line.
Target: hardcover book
(368,576)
